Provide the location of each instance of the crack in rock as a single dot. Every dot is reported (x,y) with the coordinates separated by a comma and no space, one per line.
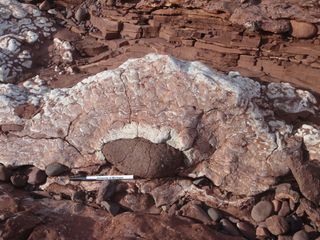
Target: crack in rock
(225,125)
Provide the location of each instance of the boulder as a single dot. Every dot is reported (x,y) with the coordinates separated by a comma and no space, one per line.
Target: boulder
(307,174)
(143,158)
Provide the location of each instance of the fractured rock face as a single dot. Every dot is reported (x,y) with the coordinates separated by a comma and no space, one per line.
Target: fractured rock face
(225,125)
(21,26)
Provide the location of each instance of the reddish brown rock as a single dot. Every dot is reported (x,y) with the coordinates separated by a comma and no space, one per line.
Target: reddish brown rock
(70,220)
(184,105)
(163,226)
(303,29)
(307,174)
(194,211)
(277,225)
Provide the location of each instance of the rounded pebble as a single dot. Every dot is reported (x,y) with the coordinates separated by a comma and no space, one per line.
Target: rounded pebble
(55,169)
(261,211)
(213,214)
(300,235)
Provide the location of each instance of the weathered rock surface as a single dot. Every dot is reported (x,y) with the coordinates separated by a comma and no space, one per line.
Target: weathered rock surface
(307,174)
(51,219)
(22,27)
(260,39)
(143,158)
(228,121)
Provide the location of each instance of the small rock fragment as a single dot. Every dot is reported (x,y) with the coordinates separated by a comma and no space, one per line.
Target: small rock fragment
(276,205)
(300,235)
(196,212)
(284,237)
(78,196)
(277,225)
(36,176)
(284,191)
(105,192)
(292,204)
(55,169)
(45,5)
(5,173)
(18,180)
(261,211)
(213,214)
(81,14)
(285,209)
(138,202)
(303,29)
(199,181)
(229,227)
(40,194)
(294,222)
(247,230)
(111,207)
(262,232)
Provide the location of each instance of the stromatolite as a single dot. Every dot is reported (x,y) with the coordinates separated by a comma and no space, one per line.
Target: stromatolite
(225,125)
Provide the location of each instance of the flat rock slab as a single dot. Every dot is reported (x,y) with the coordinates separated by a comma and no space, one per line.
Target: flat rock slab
(225,125)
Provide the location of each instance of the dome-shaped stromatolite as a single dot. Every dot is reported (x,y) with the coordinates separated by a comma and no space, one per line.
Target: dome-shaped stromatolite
(226,126)
(143,158)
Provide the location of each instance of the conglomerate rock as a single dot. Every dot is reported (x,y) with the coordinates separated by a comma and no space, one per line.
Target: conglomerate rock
(225,125)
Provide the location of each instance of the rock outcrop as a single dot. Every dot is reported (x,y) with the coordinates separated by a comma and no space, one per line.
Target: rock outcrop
(226,126)
(22,30)
(267,40)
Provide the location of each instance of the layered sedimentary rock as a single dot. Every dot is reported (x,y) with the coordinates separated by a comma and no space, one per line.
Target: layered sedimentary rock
(226,126)
(268,40)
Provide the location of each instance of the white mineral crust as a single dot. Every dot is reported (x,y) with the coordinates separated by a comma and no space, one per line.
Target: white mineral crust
(225,125)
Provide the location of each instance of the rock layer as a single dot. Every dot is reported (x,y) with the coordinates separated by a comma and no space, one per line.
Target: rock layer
(268,40)
(225,125)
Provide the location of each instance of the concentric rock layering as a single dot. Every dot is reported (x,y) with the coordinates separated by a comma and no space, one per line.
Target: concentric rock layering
(226,126)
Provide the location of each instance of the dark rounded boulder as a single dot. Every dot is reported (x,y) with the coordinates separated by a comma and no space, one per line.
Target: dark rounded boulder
(143,158)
